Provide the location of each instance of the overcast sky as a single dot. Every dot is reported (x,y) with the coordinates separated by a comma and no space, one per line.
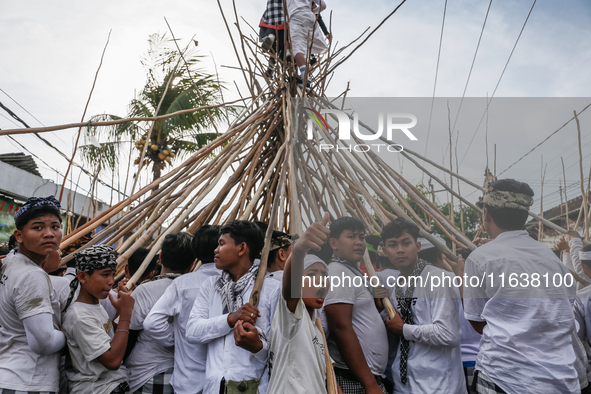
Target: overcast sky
(50,51)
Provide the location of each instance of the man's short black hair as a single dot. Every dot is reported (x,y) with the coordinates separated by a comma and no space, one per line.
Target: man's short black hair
(247,232)
(509,218)
(205,241)
(35,213)
(136,260)
(345,223)
(397,227)
(12,243)
(431,255)
(177,254)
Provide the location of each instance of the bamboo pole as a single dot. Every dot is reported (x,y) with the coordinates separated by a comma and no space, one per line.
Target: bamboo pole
(565,196)
(583,194)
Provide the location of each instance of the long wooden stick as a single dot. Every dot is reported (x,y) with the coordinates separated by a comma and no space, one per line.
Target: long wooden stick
(83,115)
(112,122)
(583,194)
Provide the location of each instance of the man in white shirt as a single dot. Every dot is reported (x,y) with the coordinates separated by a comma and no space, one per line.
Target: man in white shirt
(166,323)
(357,340)
(150,364)
(526,324)
(235,331)
(429,356)
(30,340)
(582,309)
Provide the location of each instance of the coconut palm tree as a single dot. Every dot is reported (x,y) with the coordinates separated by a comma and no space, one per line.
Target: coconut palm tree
(169,138)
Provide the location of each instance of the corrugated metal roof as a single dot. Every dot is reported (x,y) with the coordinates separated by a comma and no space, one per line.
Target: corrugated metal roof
(22,161)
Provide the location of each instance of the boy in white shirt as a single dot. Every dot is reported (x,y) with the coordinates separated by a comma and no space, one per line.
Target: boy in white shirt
(150,364)
(297,362)
(96,352)
(166,323)
(234,330)
(429,357)
(30,339)
(526,328)
(357,340)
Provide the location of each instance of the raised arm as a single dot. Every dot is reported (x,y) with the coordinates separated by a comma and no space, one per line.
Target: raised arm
(112,358)
(313,238)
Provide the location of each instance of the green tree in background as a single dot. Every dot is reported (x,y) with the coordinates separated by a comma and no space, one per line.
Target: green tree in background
(170,138)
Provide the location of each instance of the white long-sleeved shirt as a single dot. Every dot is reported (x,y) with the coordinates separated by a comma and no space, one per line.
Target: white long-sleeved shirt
(435,359)
(529,328)
(571,260)
(582,309)
(208,325)
(176,303)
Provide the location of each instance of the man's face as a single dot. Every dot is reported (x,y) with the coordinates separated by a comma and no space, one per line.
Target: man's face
(403,252)
(313,296)
(350,245)
(41,235)
(98,284)
(227,253)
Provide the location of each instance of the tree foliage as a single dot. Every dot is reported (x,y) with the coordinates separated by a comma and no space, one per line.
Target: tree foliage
(171,138)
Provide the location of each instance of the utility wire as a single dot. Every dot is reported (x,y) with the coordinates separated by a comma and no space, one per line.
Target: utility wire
(435,83)
(545,139)
(499,81)
(16,117)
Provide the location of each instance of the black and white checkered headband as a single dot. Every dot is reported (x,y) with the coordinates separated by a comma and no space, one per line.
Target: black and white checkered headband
(96,257)
(36,202)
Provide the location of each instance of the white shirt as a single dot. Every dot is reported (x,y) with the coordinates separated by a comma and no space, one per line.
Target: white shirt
(298,6)
(527,340)
(89,333)
(582,309)
(277,275)
(296,361)
(25,291)
(434,361)
(366,320)
(571,260)
(176,302)
(207,325)
(148,358)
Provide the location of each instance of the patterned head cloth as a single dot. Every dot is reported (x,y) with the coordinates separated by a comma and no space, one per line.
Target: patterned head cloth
(96,257)
(280,240)
(36,202)
(513,200)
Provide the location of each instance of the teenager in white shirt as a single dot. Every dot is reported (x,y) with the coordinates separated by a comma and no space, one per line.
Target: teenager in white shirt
(297,362)
(357,340)
(150,364)
(429,356)
(470,338)
(527,328)
(166,323)
(96,349)
(234,330)
(30,339)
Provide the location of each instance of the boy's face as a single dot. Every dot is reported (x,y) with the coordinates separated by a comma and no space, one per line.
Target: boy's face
(98,284)
(314,296)
(228,253)
(41,235)
(350,245)
(403,252)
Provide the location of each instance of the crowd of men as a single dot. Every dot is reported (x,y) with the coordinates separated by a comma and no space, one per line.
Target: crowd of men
(181,330)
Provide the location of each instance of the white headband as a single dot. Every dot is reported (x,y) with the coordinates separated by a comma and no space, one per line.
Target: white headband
(426,244)
(585,256)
